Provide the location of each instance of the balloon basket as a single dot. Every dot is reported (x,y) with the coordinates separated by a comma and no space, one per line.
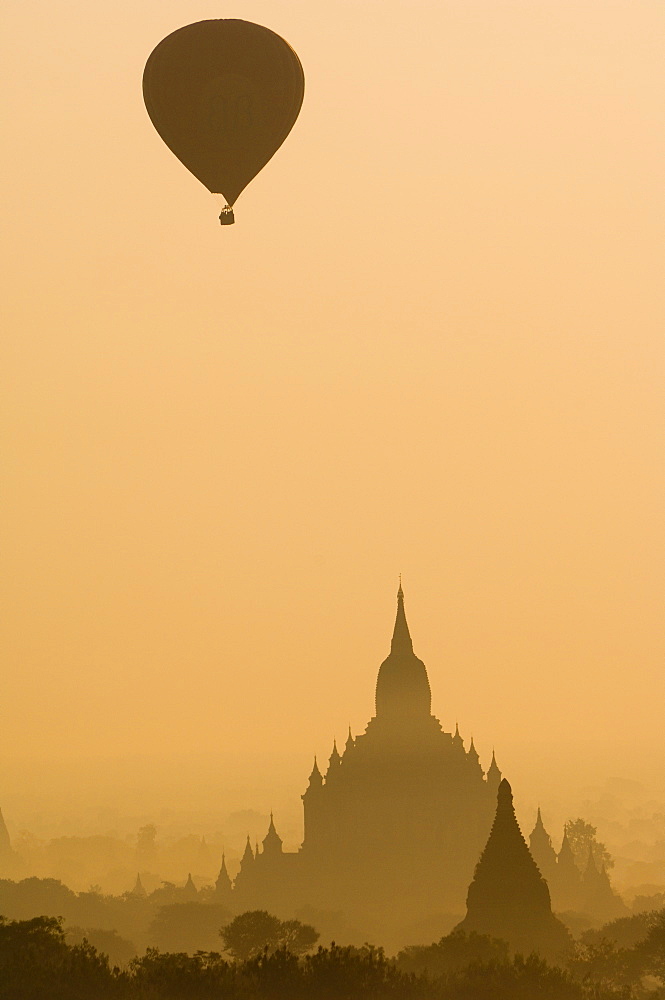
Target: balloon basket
(226,216)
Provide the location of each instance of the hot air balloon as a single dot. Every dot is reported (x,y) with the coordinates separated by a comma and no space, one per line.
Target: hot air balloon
(223,95)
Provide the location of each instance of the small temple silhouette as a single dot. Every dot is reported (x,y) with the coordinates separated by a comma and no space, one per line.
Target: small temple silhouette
(139,889)
(508,897)
(587,891)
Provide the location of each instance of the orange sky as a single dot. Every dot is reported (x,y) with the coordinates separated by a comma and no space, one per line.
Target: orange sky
(432,344)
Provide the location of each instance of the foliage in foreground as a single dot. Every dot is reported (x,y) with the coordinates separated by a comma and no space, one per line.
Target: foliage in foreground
(37,963)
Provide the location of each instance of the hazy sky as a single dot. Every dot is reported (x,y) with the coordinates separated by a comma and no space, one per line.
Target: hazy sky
(432,344)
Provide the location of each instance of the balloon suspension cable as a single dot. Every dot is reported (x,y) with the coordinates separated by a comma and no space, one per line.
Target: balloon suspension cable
(226,216)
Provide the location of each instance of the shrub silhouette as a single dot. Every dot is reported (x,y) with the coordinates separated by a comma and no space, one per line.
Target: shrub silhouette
(454,952)
(36,962)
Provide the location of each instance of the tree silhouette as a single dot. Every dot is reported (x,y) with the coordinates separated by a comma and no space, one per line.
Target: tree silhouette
(257,930)
(118,950)
(250,933)
(36,962)
(581,837)
(296,937)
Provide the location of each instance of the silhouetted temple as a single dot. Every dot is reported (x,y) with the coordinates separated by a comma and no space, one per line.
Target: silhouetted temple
(587,892)
(508,897)
(139,889)
(401,814)
(542,852)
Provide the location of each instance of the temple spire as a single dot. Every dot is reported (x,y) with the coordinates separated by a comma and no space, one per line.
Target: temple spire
(272,842)
(248,856)
(542,852)
(401,640)
(315,778)
(493,775)
(333,763)
(223,883)
(473,759)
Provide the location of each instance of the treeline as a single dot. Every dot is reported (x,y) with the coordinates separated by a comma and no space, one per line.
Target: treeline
(37,963)
(121,926)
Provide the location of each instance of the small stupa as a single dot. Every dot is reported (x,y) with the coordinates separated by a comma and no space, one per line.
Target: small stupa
(139,888)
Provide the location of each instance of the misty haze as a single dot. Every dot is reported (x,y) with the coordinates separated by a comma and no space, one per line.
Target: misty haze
(241,756)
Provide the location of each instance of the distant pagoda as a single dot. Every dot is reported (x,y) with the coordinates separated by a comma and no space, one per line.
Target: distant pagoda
(223,885)
(542,852)
(139,888)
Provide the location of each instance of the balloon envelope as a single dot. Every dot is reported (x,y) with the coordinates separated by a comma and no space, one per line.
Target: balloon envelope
(223,95)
